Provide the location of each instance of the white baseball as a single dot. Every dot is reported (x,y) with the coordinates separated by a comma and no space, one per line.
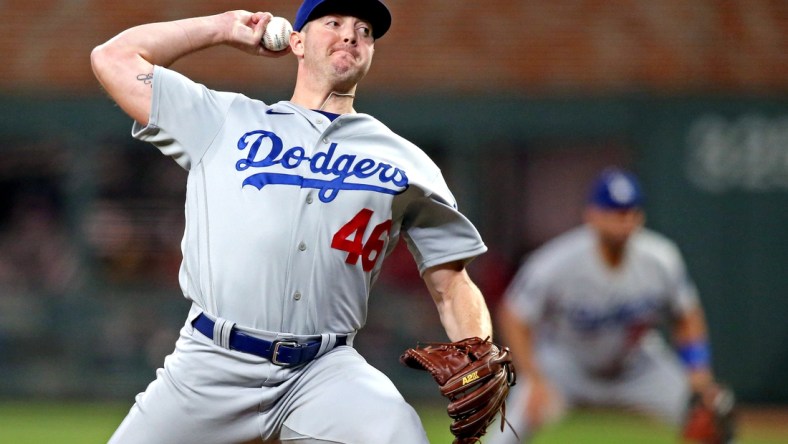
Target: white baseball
(277,34)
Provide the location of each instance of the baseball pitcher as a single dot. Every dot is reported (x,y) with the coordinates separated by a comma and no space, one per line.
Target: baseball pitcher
(291,209)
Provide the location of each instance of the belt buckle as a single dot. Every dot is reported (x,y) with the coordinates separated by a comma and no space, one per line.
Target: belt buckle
(275,355)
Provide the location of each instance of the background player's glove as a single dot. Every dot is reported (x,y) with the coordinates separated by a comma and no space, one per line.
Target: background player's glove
(474,374)
(710,417)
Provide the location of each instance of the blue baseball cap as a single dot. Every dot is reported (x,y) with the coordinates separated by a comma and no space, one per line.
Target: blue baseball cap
(616,189)
(373,11)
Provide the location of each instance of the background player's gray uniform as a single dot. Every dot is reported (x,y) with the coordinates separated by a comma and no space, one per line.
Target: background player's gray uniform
(288,218)
(597,329)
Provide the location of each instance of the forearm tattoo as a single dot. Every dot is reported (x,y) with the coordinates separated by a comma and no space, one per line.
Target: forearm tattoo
(146,78)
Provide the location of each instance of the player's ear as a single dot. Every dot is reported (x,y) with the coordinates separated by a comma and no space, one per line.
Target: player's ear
(297,43)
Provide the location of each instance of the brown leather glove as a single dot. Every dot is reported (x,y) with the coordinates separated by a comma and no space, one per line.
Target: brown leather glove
(474,374)
(710,417)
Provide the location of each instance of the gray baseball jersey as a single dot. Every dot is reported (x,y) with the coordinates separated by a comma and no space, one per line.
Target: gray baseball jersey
(597,328)
(601,314)
(290,215)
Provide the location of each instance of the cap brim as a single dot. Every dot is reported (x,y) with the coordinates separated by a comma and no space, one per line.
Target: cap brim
(375,12)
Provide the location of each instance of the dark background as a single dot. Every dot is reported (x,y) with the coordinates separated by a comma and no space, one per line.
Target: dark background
(519,102)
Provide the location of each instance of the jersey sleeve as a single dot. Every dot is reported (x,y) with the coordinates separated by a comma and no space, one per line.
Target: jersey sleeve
(527,293)
(664,255)
(437,233)
(185,116)
(684,292)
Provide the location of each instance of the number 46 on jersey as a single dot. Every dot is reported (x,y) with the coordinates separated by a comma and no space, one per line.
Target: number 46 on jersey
(350,238)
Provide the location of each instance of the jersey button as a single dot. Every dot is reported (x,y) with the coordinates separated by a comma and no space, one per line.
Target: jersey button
(309,199)
(297,296)
(302,246)
(325,140)
(319,120)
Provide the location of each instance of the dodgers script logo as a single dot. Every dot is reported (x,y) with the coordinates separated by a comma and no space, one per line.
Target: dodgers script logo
(335,171)
(590,319)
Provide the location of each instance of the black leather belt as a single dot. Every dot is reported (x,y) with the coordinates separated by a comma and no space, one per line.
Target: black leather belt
(287,353)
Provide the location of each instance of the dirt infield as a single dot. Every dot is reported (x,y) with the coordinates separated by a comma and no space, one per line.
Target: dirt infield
(764,420)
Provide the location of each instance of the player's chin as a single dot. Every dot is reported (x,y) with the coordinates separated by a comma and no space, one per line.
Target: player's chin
(349,74)
(616,240)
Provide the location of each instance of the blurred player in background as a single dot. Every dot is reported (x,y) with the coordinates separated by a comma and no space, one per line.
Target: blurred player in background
(290,210)
(583,317)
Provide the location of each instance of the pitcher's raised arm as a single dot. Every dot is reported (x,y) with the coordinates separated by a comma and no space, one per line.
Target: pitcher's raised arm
(124,64)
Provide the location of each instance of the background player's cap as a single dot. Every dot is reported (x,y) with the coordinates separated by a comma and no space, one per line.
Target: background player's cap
(374,11)
(616,189)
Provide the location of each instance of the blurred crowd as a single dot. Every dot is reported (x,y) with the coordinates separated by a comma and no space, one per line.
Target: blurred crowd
(88,261)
